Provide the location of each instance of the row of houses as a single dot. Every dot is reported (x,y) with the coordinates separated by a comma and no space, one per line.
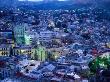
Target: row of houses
(38,53)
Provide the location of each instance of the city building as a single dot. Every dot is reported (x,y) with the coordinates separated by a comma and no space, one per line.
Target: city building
(24,50)
(6,72)
(19,33)
(41,52)
(5,50)
(6,37)
(7,67)
(31,37)
(56,52)
(46,36)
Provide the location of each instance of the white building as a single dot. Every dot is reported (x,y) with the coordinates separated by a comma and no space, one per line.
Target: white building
(46,36)
(31,37)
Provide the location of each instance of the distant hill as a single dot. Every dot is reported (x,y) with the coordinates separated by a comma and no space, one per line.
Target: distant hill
(71,4)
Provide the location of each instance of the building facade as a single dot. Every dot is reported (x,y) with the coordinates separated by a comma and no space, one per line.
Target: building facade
(46,36)
(19,33)
(41,53)
(6,37)
(24,50)
(31,37)
(5,50)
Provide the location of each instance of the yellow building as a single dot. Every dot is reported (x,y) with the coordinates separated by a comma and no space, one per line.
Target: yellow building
(24,50)
(5,50)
